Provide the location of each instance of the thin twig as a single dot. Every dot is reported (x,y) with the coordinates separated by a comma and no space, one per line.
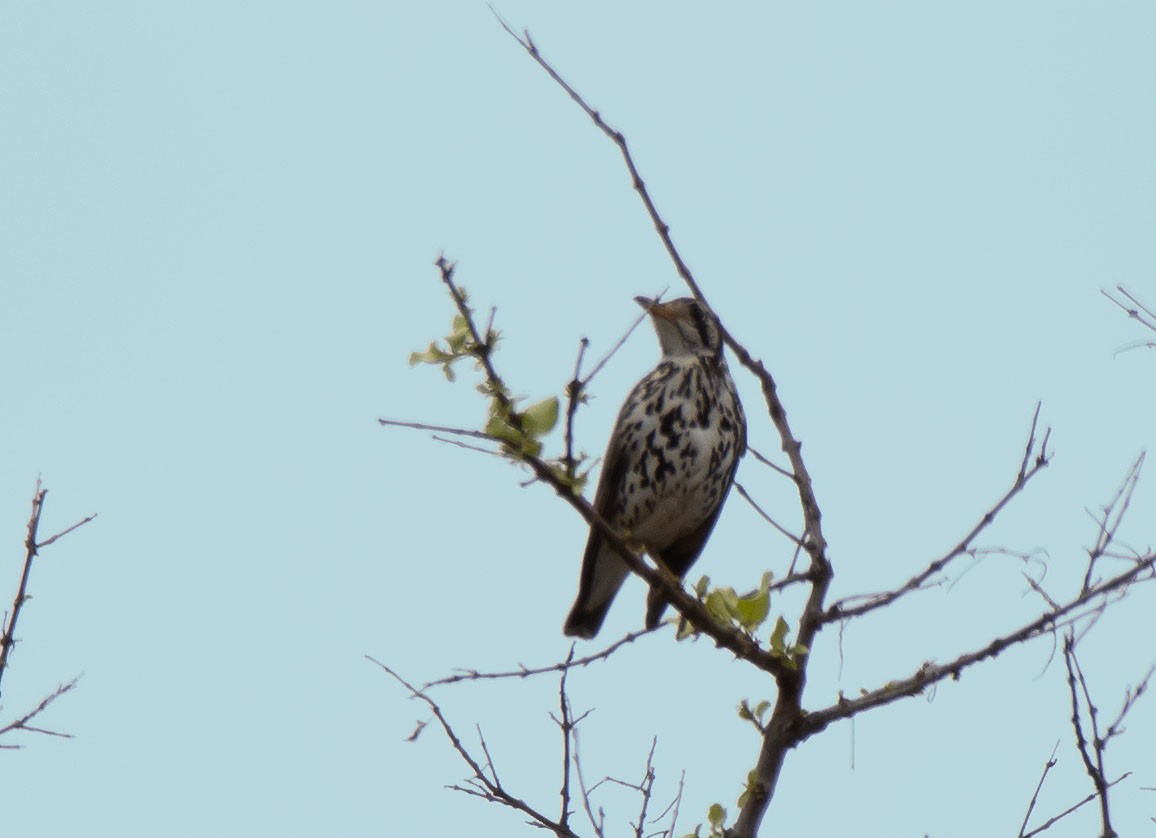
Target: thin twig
(566,725)
(22,722)
(525,672)
(613,350)
(1048,766)
(441,429)
(1050,822)
(1028,469)
(794,539)
(485,787)
(31,549)
(596,823)
(1094,757)
(457,443)
(646,788)
(929,674)
(575,393)
(770,463)
(1112,515)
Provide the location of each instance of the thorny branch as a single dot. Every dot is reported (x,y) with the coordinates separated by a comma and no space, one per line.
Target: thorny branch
(524,672)
(1092,751)
(483,783)
(575,394)
(1048,766)
(32,546)
(794,539)
(22,722)
(1034,461)
(1109,519)
(1133,308)
(31,550)
(1052,821)
(1084,605)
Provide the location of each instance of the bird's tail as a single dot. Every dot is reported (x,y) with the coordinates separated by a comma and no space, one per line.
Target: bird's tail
(603,573)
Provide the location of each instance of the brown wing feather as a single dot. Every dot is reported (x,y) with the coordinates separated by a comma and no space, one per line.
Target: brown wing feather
(586,617)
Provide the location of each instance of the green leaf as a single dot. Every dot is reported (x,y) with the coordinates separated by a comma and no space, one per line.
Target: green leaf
(746,795)
(433,355)
(779,636)
(702,586)
(502,430)
(539,419)
(753,609)
(721,604)
(761,709)
(745,711)
(716,815)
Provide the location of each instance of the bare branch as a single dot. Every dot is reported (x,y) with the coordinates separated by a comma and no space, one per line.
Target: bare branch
(770,464)
(1110,518)
(619,140)
(794,539)
(596,823)
(930,673)
(613,350)
(1048,766)
(31,549)
(1028,469)
(1133,310)
(566,725)
(485,786)
(1093,758)
(674,806)
(1050,822)
(440,429)
(22,722)
(574,395)
(525,672)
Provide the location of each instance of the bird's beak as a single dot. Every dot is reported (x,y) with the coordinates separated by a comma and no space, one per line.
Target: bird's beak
(654,308)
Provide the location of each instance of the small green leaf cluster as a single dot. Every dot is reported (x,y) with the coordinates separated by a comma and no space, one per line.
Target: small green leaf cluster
(716,817)
(519,431)
(747,613)
(727,608)
(754,714)
(459,343)
(749,787)
(788,654)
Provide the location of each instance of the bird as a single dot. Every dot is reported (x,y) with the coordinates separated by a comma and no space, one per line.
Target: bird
(670,462)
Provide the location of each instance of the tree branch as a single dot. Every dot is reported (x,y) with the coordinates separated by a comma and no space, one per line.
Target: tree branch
(525,672)
(22,722)
(485,786)
(840,609)
(930,673)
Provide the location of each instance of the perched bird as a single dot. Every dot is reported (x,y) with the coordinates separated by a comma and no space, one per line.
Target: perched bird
(670,462)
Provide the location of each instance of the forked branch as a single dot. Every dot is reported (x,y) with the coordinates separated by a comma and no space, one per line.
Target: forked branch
(1033,462)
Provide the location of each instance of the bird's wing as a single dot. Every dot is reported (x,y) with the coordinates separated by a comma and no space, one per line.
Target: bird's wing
(602,571)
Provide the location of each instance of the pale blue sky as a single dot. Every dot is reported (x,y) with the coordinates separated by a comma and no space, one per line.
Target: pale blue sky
(217,228)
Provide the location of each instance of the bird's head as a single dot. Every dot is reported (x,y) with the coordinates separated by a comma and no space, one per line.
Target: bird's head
(684,326)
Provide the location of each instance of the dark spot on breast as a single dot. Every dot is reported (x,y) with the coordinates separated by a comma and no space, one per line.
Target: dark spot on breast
(669,420)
